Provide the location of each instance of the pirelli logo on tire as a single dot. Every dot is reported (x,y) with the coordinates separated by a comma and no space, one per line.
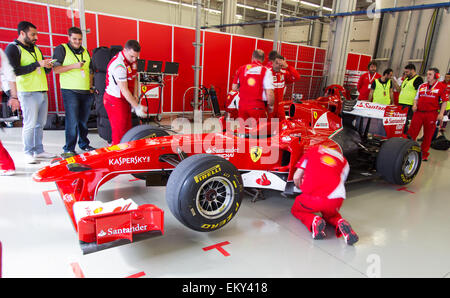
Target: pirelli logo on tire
(208,173)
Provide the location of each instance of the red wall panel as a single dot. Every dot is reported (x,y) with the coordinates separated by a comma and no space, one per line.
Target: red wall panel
(289,52)
(115,31)
(364,62)
(91,35)
(14,12)
(224,53)
(156,44)
(184,53)
(57,40)
(266,46)
(61,20)
(306,54)
(352,61)
(7,36)
(241,53)
(215,64)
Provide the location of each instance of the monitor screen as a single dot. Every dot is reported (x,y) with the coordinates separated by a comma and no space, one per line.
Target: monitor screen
(171,68)
(140,65)
(154,66)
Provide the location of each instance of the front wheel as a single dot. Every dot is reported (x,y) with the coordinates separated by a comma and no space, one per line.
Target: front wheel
(204,192)
(143,132)
(399,160)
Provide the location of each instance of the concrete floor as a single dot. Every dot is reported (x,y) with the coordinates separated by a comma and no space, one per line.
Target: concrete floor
(404,232)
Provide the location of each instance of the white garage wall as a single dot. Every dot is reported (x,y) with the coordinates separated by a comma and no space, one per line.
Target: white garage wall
(359,37)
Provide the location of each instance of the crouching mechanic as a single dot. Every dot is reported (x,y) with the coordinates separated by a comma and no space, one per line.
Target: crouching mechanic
(321,174)
(121,90)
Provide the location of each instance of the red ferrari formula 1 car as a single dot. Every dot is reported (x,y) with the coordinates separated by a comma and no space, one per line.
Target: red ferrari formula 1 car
(206,174)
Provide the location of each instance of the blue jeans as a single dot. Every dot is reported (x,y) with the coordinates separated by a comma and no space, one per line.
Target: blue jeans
(34,107)
(78,108)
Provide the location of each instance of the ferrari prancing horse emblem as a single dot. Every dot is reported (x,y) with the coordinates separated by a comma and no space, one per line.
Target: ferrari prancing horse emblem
(255,153)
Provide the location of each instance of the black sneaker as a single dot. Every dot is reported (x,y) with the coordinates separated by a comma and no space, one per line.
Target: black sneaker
(88,148)
(347,231)
(318,228)
(68,154)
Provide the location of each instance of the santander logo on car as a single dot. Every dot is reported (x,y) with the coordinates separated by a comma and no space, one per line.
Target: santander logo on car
(112,231)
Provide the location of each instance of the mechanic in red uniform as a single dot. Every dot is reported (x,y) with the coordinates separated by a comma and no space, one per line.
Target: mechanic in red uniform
(121,90)
(427,109)
(320,175)
(7,167)
(283,74)
(365,81)
(255,84)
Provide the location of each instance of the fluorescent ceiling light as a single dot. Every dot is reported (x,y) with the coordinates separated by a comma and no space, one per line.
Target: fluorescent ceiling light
(312,5)
(244,6)
(168,1)
(188,5)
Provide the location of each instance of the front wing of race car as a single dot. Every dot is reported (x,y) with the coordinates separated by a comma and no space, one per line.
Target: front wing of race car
(79,178)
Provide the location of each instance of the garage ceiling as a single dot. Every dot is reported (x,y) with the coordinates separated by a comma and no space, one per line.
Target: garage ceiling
(259,10)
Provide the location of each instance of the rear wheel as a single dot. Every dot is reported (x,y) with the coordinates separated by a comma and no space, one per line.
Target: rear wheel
(143,132)
(399,160)
(204,192)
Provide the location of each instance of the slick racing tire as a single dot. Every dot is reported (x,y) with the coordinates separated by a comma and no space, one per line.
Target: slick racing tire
(143,132)
(399,160)
(204,192)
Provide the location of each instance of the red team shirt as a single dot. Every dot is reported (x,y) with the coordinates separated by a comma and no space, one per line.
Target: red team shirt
(250,78)
(430,97)
(280,80)
(364,84)
(120,70)
(325,172)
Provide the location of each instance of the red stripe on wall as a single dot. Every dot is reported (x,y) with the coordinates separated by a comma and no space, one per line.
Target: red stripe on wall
(77,270)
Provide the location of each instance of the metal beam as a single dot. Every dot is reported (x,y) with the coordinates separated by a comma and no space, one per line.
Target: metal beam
(277,26)
(197,45)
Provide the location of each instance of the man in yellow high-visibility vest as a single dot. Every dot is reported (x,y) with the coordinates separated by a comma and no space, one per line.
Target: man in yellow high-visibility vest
(408,91)
(31,68)
(73,64)
(382,89)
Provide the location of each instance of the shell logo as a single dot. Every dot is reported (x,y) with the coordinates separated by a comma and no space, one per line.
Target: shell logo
(98,210)
(251,82)
(328,160)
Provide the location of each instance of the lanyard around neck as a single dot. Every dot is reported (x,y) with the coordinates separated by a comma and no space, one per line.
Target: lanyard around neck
(73,52)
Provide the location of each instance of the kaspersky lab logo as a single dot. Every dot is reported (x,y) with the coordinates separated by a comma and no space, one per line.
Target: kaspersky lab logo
(112,231)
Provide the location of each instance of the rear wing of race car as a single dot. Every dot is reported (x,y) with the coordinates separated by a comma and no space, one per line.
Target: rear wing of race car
(393,117)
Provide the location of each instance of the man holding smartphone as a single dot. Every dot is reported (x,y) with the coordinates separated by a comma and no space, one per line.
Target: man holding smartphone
(73,64)
(31,68)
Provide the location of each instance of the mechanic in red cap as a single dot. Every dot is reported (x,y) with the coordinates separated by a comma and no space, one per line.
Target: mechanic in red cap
(283,74)
(7,167)
(365,81)
(255,84)
(429,106)
(121,90)
(320,175)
